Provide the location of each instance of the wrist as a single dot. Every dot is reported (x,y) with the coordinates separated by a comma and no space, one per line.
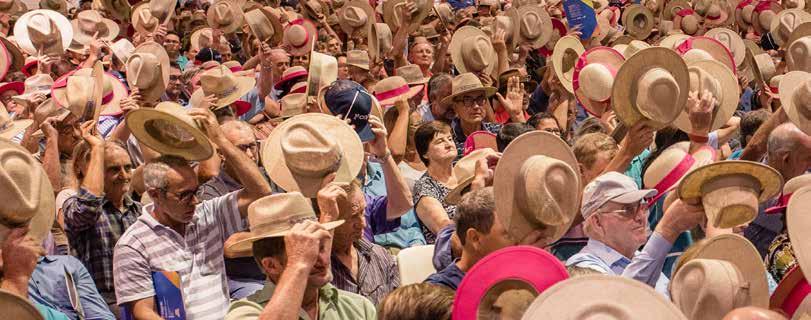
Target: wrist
(384,156)
(699,137)
(298,266)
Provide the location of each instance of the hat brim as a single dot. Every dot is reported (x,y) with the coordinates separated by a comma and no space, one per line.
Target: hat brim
(729,90)
(802,30)
(770,180)
(305,48)
(673,41)
(16,127)
(775,26)
(16,57)
(628,17)
(17,307)
(788,86)
(275,165)
(370,15)
(23,38)
(488,92)
(136,120)
(85,39)
(539,269)
(462,35)
(40,224)
(237,23)
(563,51)
(735,46)
(798,224)
(243,86)
(412,91)
(158,87)
(278,30)
(244,247)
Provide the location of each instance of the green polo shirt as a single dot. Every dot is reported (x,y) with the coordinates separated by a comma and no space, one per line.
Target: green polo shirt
(333,304)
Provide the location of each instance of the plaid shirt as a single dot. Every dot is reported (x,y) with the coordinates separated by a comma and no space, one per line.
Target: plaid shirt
(377,272)
(93,225)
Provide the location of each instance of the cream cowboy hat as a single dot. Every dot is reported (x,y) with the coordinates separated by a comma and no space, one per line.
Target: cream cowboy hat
(716,13)
(797,223)
(564,58)
(224,85)
(705,48)
(713,76)
(60,6)
(169,130)
(274,216)
(738,251)
(122,49)
(793,4)
(304,149)
(784,24)
(113,91)
(293,104)
(762,66)
(730,191)
(651,86)
(142,19)
(594,77)
(687,21)
(537,188)
(163,10)
(322,72)
(668,169)
(466,83)
(532,25)
(412,74)
(764,13)
(673,7)
(732,41)
(29,194)
(795,96)
(379,40)
(391,13)
(472,51)
(264,25)
(797,56)
(464,170)
(708,289)
(389,90)
(602,296)
(638,21)
(90,25)
(148,70)
(358,58)
(11,128)
(12,7)
(299,36)
(356,15)
(15,56)
(226,16)
(633,47)
(203,38)
(120,10)
(15,307)
(43,32)
(312,9)
(36,84)
(673,41)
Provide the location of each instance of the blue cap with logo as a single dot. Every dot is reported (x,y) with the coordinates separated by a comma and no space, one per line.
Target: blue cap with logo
(352,102)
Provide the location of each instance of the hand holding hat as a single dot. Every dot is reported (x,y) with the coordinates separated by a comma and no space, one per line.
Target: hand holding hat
(700,107)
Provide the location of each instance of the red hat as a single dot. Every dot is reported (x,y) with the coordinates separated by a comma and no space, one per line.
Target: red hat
(480,140)
(790,292)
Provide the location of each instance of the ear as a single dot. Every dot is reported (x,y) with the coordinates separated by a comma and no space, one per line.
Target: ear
(272,267)
(472,237)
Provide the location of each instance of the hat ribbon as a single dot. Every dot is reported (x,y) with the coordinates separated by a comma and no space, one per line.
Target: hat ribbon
(279,225)
(713,17)
(774,89)
(685,12)
(673,177)
(224,93)
(763,6)
(388,94)
(108,97)
(301,89)
(781,205)
(293,75)
(743,4)
(300,21)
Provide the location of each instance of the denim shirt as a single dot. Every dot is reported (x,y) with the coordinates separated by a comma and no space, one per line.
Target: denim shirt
(48,287)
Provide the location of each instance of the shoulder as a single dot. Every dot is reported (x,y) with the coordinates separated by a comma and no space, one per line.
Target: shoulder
(243,309)
(588,261)
(359,303)
(134,236)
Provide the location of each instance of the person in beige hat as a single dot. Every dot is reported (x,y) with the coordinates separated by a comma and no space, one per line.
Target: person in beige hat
(708,289)
(358,63)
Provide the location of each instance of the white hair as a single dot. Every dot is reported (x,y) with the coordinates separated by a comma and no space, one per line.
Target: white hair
(155,171)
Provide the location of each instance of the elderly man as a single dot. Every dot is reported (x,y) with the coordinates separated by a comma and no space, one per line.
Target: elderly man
(470,107)
(178,233)
(439,86)
(479,232)
(616,222)
(102,210)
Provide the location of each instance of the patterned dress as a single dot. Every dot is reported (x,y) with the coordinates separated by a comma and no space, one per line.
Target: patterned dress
(427,186)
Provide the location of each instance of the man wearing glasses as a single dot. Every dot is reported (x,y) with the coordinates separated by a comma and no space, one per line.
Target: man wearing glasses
(616,222)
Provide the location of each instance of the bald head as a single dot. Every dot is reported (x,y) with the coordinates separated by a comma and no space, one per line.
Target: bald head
(784,137)
(753,313)
(789,150)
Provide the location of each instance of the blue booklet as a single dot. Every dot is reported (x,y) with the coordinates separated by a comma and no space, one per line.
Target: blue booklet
(168,297)
(581,13)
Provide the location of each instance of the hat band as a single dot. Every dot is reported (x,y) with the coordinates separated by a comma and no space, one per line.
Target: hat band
(774,89)
(385,95)
(225,93)
(763,6)
(685,12)
(301,89)
(107,98)
(714,17)
(781,205)
(673,176)
(275,226)
(743,4)
(293,76)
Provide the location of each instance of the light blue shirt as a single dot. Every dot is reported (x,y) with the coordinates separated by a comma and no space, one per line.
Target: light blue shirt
(48,287)
(646,265)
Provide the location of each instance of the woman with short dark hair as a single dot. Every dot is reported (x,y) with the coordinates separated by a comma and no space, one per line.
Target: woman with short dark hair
(435,147)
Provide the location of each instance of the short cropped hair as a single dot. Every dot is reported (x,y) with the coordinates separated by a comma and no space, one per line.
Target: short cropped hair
(509,132)
(425,134)
(750,122)
(587,147)
(155,171)
(476,210)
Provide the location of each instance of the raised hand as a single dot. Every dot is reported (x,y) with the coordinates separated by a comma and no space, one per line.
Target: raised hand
(303,243)
(327,199)
(700,108)
(90,135)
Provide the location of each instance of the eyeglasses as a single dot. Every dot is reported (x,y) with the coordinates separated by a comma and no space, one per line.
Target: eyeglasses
(246,146)
(472,101)
(185,197)
(630,210)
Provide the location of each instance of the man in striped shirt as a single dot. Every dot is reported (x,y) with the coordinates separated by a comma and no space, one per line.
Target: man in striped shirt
(178,233)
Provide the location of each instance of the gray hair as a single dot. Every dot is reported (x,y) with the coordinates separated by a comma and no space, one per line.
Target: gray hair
(438,80)
(155,171)
(236,125)
(783,138)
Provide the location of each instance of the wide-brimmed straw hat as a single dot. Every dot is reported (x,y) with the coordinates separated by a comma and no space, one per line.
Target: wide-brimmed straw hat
(651,86)
(673,7)
(391,89)
(274,216)
(708,289)
(638,21)
(738,251)
(532,25)
(795,96)
(412,74)
(669,168)
(785,22)
(472,51)
(29,194)
(564,59)
(122,49)
(90,25)
(169,130)
(379,40)
(293,104)
(763,15)
(290,74)
(356,15)
(464,171)
(312,9)
(537,188)
(12,7)
(673,41)
(113,91)
(497,285)
(789,189)
(466,83)
(226,16)
(43,31)
(713,76)
(732,41)
(322,72)
(120,10)
(299,36)
(358,58)
(264,25)
(16,307)
(743,14)
(798,49)
(706,48)
(687,21)
(36,84)
(224,85)
(142,19)
(14,57)
(304,149)
(148,70)
(601,296)
(10,128)
(593,77)
(391,13)
(731,191)
(716,13)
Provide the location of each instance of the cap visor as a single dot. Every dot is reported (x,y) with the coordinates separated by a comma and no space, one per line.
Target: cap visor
(635,196)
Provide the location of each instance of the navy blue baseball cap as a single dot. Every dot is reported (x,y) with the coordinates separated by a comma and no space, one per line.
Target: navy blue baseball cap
(350,100)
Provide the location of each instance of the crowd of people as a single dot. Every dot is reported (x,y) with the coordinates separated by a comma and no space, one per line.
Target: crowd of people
(405,159)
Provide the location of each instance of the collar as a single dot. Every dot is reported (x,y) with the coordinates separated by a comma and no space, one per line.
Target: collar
(363,246)
(328,294)
(607,254)
(46,259)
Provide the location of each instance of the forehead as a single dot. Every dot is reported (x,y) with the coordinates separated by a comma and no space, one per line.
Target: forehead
(172,37)
(421,46)
(181,178)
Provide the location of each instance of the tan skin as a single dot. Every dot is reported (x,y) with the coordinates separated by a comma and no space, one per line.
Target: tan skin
(422,54)
(479,244)
(441,153)
(473,114)
(172,45)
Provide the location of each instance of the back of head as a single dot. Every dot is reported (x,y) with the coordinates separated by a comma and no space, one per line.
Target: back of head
(587,147)
(753,313)
(416,302)
(437,81)
(750,122)
(475,211)
(509,132)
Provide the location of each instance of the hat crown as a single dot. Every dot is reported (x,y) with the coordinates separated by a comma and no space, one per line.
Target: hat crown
(465,168)
(542,187)
(146,19)
(88,72)
(218,81)
(798,54)
(731,200)
(789,21)
(802,99)
(746,13)
(390,83)
(354,16)
(657,95)
(293,104)
(279,212)
(357,58)
(689,24)
(42,30)
(79,93)
(38,82)
(477,53)
(22,181)
(465,82)
(308,152)
(701,80)
(144,68)
(709,288)
(530,25)
(765,19)
(260,24)
(411,73)
(223,14)
(298,35)
(161,9)
(596,81)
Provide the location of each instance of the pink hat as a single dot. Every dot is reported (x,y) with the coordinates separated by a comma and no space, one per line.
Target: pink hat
(790,292)
(537,271)
(700,47)
(480,140)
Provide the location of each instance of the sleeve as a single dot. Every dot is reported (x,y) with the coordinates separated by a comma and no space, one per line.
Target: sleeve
(131,274)
(370,313)
(257,104)
(243,310)
(224,212)
(646,265)
(376,215)
(713,139)
(82,211)
(423,189)
(93,304)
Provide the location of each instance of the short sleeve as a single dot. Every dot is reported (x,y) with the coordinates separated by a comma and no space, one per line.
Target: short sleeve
(243,310)
(376,215)
(224,213)
(132,275)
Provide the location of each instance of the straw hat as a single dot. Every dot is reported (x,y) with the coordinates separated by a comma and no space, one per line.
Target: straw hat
(412,74)
(356,15)
(293,104)
(538,188)
(14,56)
(738,251)
(264,25)
(169,130)
(12,7)
(730,191)
(795,96)
(274,216)
(638,21)
(558,31)
(717,13)
(379,40)
(789,189)
(299,35)
(713,76)
(142,19)
(472,51)
(673,7)
(651,86)
(564,59)
(481,139)
(122,49)
(799,45)
(30,197)
(784,24)
(708,289)
(290,74)
(48,109)
(10,128)
(466,83)
(204,38)
(312,9)
(797,224)
(732,41)
(790,294)
(705,48)
(793,4)
(669,168)
(464,170)
(148,70)
(120,10)
(743,14)
(594,77)
(765,12)
(222,83)
(602,296)
(496,285)
(89,24)
(761,64)
(532,25)
(304,149)
(226,16)
(322,72)
(357,58)
(391,13)
(36,84)
(389,90)
(112,93)
(43,32)
(688,21)
(673,41)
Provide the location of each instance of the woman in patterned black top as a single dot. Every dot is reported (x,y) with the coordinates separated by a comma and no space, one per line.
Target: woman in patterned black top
(435,146)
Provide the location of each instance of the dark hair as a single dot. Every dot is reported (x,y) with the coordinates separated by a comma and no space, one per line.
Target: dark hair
(436,81)
(476,210)
(509,132)
(417,301)
(590,125)
(425,134)
(665,138)
(535,119)
(268,247)
(750,122)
